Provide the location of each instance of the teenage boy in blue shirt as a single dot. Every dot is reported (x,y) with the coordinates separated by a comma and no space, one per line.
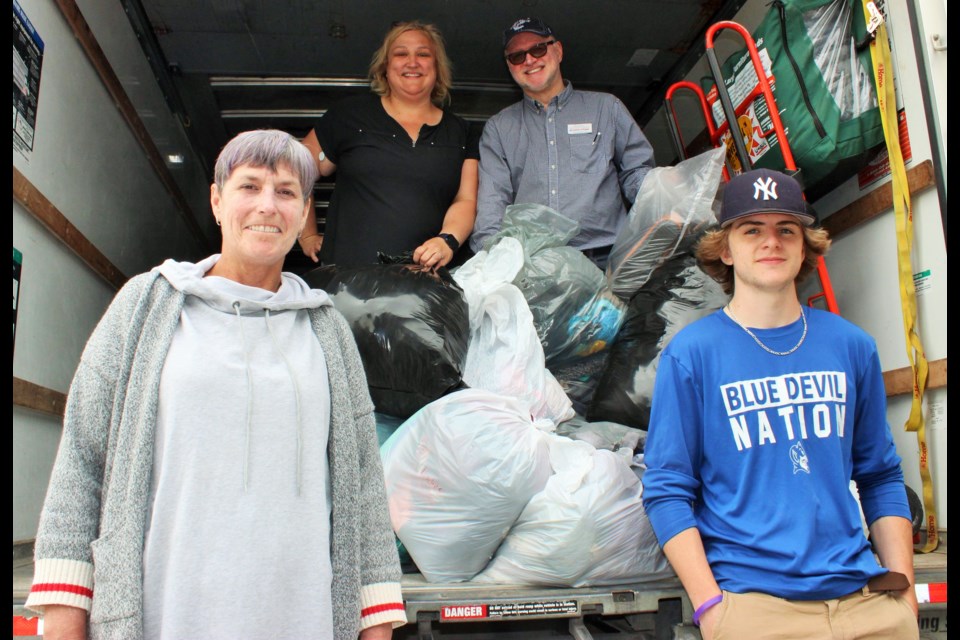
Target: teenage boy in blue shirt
(762,414)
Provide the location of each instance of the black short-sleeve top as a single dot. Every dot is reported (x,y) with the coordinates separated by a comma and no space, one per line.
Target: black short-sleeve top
(391,193)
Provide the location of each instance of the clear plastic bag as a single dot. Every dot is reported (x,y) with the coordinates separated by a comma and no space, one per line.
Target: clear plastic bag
(603,435)
(574,313)
(831,29)
(674,205)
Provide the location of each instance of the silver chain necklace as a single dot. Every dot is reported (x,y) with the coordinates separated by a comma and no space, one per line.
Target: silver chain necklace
(765,347)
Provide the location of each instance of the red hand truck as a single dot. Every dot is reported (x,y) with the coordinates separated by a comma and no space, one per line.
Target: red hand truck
(732,114)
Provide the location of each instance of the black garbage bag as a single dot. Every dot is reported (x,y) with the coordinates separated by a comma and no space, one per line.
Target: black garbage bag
(410,324)
(579,380)
(676,294)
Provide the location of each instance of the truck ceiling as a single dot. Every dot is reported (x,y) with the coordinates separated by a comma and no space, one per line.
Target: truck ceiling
(230,65)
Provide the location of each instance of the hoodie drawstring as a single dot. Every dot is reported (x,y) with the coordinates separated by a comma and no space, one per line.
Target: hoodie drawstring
(296,391)
(249,375)
(246,368)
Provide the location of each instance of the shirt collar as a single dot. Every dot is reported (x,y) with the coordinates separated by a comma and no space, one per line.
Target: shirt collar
(561,98)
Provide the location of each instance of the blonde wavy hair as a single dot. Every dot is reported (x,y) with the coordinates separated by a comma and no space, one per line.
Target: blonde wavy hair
(816,242)
(378,64)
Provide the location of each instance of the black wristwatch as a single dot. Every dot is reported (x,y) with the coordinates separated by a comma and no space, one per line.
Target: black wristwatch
(451,241)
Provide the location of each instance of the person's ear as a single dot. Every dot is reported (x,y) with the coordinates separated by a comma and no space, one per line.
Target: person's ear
(306,212)
(303,221)
(215,202)
(726,257)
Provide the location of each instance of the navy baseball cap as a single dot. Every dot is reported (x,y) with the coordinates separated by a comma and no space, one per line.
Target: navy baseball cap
(531,25)
(764,191)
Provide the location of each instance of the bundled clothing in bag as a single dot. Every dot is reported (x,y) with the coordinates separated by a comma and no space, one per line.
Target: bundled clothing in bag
(410,325)
(458,475)
(673,208)
(575,314)
(504,354)
(678,293)
(587,526)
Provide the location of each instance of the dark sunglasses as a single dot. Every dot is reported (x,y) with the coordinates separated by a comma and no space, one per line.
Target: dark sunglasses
(537,51)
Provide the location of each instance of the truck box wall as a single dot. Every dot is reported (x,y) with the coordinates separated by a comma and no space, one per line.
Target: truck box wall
(89,165)
(863,261)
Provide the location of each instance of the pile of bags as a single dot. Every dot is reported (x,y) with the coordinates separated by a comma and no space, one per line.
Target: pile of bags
(513,393)
(479,491)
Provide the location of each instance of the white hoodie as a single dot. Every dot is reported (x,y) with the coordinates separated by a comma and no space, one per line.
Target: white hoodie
(240,507)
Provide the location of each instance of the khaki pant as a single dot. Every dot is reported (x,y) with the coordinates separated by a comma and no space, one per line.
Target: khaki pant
(858,616)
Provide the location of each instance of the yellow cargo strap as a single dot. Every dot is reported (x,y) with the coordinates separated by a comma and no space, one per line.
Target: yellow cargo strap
(883,75)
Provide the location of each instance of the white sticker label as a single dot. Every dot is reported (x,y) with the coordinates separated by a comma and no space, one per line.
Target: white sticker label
(876,18)
(936,416)
(933,622)
(576,129)
(541,608)
(921,281)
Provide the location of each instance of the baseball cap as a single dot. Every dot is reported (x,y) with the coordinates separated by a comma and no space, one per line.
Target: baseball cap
(764,191)
(532,25)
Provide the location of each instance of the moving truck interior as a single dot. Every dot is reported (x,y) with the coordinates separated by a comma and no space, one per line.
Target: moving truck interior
(121,107)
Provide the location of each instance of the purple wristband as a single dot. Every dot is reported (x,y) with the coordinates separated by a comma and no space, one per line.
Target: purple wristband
(702,609)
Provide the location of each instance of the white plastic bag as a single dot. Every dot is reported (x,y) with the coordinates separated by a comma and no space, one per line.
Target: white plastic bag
(504,353)
(587,527)
(458,473)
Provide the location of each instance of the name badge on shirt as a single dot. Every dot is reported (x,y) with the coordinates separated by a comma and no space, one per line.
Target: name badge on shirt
(574,129)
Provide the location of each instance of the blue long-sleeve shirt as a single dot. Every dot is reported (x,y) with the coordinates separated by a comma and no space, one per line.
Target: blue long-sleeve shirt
(757,452)
(582,155)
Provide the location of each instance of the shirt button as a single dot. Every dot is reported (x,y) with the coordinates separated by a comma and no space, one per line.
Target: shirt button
(553,192)
(553,166)
(549,119)
(551,142)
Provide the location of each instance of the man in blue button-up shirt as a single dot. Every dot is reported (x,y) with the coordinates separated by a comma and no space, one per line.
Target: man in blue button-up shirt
(578,152)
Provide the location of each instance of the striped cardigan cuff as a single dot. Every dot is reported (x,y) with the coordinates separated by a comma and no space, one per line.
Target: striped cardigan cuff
(56,581)
(381,603)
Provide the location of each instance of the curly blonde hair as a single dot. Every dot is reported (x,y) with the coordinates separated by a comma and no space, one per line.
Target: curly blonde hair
(816,242)
(378,64)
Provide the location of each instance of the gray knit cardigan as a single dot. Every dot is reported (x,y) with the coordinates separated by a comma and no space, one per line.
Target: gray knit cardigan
(96,506)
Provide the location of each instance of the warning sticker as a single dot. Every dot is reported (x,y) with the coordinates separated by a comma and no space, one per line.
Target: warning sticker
(921,281)
(933,622)
(463,612)
(508,610)
(518,609)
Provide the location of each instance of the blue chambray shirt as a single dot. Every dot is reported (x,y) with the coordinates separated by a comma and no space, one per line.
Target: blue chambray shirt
(582,155)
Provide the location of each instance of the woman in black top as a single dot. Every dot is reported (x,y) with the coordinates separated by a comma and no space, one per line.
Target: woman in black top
(406,166)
